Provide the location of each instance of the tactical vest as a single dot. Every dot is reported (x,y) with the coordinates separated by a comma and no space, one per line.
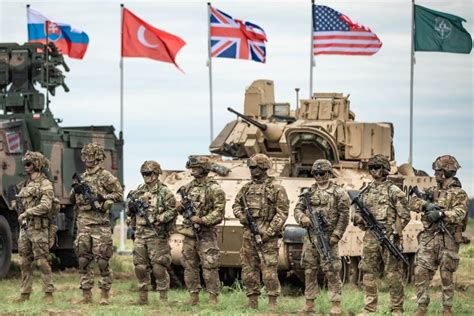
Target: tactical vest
(260,199)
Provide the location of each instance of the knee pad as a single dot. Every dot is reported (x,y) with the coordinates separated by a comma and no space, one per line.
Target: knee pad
(83,263)
(43,265)
(141,271)
(103,264)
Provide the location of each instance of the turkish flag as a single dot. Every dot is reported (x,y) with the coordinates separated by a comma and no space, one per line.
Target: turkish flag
(140,39)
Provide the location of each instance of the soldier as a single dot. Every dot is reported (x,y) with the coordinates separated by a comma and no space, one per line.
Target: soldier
(447,204)
(208,199)
(37,198)
(152,223)
(94,237)
(388,204)
(268,203)
(333,202)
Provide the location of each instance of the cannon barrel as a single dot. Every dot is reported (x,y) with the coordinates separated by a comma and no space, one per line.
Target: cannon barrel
(247,119)
(270,131)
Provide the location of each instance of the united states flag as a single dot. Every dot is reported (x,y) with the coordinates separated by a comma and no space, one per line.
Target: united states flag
(335,34)
(232,38)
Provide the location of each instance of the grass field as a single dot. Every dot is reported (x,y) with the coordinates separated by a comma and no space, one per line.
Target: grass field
(124,294)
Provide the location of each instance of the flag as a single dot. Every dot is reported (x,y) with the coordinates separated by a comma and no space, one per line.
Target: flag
(335,34)
(440,32)
(232,38)
(68,39)
(140,39)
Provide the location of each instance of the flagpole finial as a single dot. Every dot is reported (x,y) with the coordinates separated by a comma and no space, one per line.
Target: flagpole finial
(28,5)
(209,3)
(122,5)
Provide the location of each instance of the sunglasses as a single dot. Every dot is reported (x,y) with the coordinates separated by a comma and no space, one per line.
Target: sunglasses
(319,173)
(147,173)
(28,164)
(375,167)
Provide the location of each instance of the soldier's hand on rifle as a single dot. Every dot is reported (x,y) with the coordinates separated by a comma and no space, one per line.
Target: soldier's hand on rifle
(358,220)
(196,219)
(100,198)
(76,187)
(334,240)
(22,217)
(428,207)
(433,215)
(243,219)
(265,236)
(305,221)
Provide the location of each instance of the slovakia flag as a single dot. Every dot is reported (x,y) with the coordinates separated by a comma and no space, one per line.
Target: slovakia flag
(70,41)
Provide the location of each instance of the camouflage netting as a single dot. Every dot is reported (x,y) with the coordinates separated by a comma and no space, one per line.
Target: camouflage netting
(37,159)
(93,149)
(447,163)
(198,161)
(151,166)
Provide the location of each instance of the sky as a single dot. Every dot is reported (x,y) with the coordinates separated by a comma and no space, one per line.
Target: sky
(166,112)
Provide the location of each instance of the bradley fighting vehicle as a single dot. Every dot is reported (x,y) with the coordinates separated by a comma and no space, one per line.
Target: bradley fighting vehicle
(26,123)
(321,127)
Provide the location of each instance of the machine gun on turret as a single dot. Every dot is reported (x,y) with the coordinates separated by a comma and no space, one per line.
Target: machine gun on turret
(271,131)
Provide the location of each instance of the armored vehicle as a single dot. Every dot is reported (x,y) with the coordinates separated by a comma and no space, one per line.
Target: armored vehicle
(26,123)
(320,127)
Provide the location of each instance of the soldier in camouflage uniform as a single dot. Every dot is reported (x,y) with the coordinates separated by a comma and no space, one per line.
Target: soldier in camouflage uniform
(388,204)
(209,201)
(447,202)
(94,237)
(333,202)
(37,197)
(151,247)
(269,205)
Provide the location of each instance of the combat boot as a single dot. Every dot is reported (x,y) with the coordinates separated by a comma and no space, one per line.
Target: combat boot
(194,299)
(142,298)
(272,303)
(86,297)
(252,302)
(421,310)
(104,297)
(335,308)
(163,296)
(213,299)
(48,297)
(308,307)
(22,298)
(447,311)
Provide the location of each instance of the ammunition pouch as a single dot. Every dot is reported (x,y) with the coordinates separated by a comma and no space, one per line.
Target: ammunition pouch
(458,235)
(185,231)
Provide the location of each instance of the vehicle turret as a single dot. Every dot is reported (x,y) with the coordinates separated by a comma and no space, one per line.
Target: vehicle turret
(271,132)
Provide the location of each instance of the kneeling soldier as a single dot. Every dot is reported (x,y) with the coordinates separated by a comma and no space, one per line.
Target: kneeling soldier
(332,203)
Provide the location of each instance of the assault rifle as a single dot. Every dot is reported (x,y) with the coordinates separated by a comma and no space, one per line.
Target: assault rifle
(138,207)
(20,208)
(256,236)
(378,231)
(316,234)
(83,188)
(429,198)
(189,211)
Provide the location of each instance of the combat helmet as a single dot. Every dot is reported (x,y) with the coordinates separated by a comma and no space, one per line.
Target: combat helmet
(151,166)
(93,150)
(322,165)
(199,161)
(380,160)
(40,162)
(259,160)
(447,163)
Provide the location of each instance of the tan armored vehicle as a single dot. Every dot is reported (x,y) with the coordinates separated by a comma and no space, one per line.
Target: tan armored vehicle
(322,127)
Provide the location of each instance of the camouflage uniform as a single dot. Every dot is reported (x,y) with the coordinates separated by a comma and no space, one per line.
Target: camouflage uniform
(436,249)
(94,236)
(151,247)
(209,201)
(388,204)
(333,203)
(37,197)
(269,206)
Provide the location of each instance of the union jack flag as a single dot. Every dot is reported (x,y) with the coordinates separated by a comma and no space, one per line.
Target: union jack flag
(233,38)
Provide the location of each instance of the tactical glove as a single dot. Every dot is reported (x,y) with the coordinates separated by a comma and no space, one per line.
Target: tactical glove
(243,220)
(428,207)
(305,221)
(433,215)
(100,198)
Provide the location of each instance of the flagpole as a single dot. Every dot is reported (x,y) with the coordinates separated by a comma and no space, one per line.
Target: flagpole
(311,56)
(412,64)
(121,71)
(209,64)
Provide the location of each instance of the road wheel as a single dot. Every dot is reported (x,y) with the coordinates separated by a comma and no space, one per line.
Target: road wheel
(5,247)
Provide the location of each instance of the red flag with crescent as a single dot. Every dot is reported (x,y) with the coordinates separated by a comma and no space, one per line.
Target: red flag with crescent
(140,39)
